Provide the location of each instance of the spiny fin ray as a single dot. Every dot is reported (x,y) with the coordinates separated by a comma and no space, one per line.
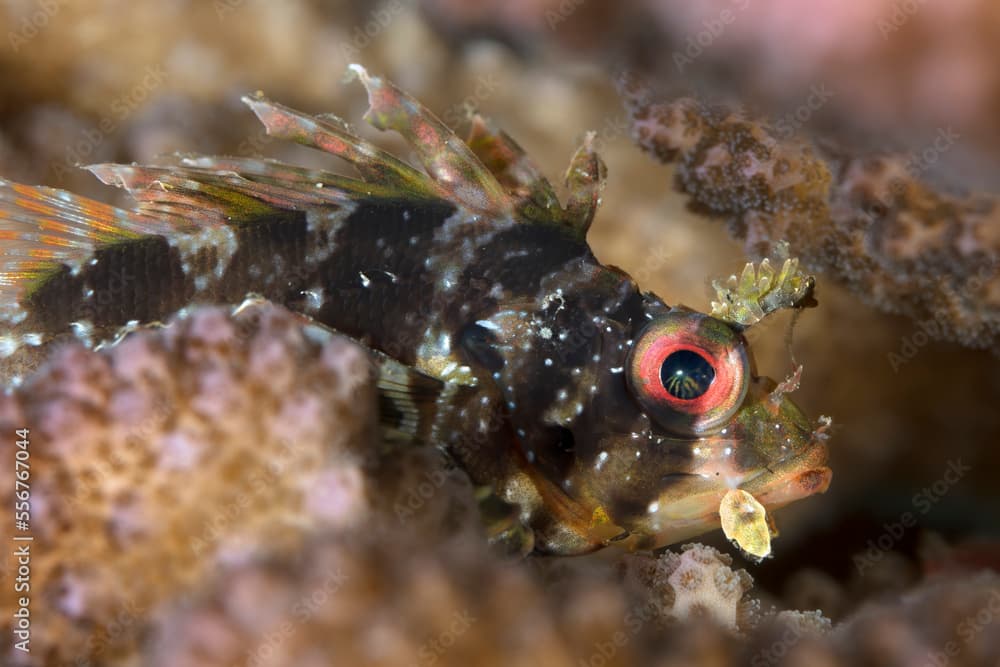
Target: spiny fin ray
(332,135)
(333,187)
(447,159)
(43,228)
(205,196)
(585,181)
(513,168)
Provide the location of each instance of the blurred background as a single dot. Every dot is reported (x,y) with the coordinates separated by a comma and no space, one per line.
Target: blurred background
(85,81)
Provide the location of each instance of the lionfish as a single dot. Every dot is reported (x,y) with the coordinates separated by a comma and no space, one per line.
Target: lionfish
(592,412)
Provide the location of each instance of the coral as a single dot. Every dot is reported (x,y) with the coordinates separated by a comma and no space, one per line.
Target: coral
(358,601)
(867,222)
(944,621)
(889,70)
(176,450)
(697,582)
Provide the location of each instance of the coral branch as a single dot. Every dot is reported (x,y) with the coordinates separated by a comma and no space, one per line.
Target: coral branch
(869,223)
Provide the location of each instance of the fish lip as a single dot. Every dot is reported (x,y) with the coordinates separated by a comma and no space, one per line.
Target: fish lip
(799,475)
(793,478)
(773,490)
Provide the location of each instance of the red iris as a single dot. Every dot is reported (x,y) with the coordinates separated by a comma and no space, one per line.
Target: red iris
(689,371)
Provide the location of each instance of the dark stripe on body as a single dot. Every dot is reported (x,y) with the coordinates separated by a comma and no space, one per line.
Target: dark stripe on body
(134,280)
(518,259)
(398,304)
(269,260)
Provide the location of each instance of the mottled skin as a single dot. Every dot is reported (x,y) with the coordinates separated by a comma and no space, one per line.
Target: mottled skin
(499,335)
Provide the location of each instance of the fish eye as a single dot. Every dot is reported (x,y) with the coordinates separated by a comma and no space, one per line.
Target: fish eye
(689,372)
(686,374)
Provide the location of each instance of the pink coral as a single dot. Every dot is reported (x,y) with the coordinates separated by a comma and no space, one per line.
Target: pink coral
(173,451)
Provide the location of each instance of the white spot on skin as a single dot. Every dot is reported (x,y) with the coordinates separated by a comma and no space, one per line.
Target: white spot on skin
(548,362)
(545,333)
(449,279)
(602,458)
(728,451)
(83,331)
(513,254)
(12,314)
(8,346)
(653,507)
(220,237)
(315,298)
(549,299)
(323,223)
(33,339)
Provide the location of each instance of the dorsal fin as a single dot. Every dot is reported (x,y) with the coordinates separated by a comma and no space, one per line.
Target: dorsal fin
(333,135)
(584,180)
(447,159)
(43,228)
(514,169)
(536,198)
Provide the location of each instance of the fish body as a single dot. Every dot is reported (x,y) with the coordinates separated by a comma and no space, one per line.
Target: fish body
(597,410)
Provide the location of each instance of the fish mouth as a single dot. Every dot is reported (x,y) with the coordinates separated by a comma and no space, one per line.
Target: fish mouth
(694,511)
(796,477)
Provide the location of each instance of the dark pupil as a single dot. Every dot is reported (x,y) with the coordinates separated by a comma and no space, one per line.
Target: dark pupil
(686,374)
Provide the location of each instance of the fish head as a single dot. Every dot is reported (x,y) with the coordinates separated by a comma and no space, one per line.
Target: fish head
(683,423)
